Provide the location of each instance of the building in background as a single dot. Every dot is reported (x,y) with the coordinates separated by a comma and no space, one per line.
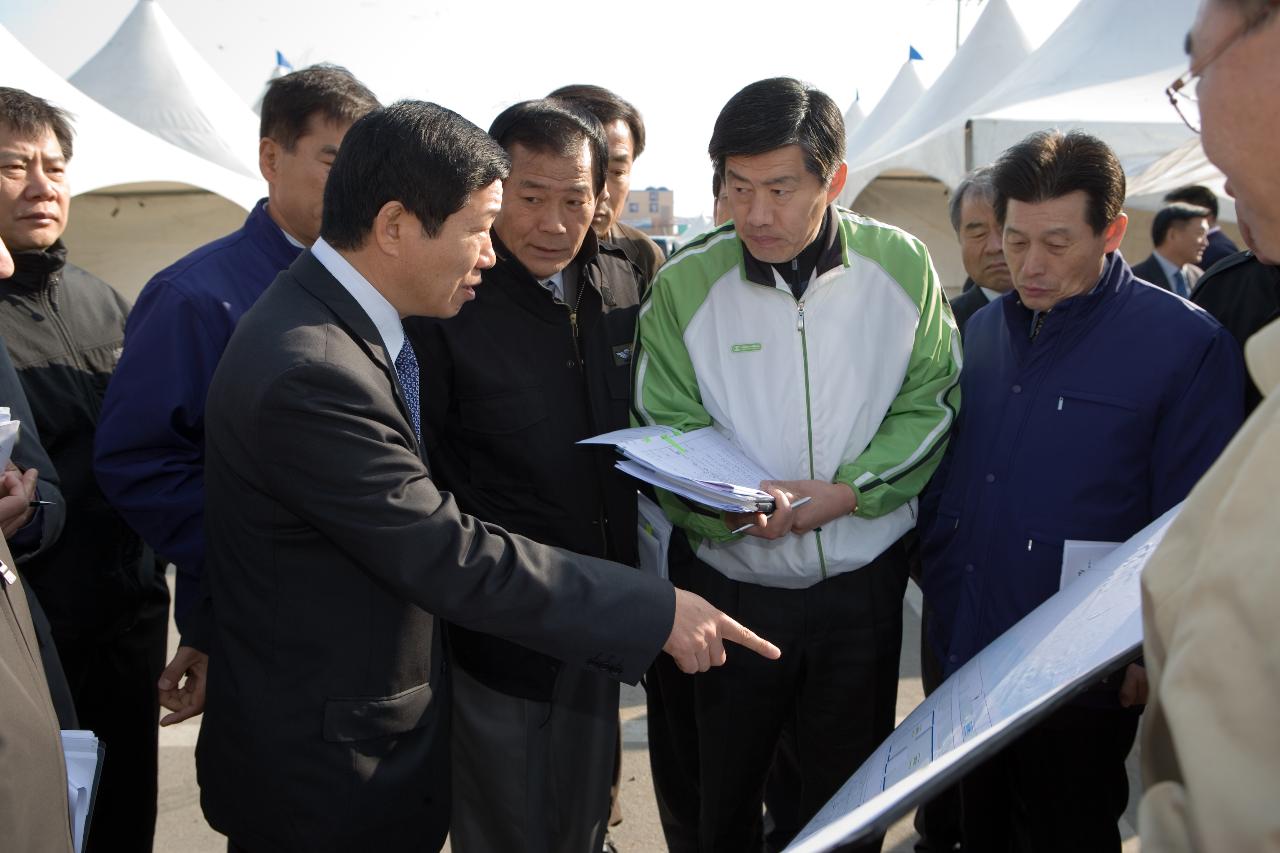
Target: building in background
(652,210)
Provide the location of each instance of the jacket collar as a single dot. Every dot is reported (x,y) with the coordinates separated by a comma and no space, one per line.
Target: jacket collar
(510,264)
(36,269)
(320,283)
(269,237)
(833,251)
(1262,354)
(1116,278)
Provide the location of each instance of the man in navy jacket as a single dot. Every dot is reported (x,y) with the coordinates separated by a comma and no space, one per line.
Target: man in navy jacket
(149,447)
(1092,403)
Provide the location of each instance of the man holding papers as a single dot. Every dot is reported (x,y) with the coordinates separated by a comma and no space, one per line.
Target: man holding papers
(820,343)
(1093,402)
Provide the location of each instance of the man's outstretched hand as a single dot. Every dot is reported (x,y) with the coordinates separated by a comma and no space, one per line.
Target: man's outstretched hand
(700,631)
(187,700)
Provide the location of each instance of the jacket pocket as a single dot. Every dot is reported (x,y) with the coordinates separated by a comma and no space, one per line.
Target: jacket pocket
(502,433)
(502,414)
(362,718)
(1067,396)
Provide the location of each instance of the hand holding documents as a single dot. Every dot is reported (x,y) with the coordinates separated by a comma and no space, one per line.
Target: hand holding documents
(702,466)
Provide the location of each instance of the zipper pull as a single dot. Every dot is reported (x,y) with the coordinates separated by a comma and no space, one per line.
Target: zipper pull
(1059,404)
(573,323)
(800,318)
(1028,544)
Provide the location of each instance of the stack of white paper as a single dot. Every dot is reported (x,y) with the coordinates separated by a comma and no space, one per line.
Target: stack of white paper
(84,765)
(8,436)
(702,466)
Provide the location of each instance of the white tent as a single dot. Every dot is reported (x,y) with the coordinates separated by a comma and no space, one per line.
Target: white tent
(1104,70)
(148,202)
(854,117)
(902,93)
(994,47)
(148,73)
(1186,164)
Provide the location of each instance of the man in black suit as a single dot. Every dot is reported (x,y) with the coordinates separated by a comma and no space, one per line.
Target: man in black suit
(330,550)
(1179,234)
(1220,245)
(973,217)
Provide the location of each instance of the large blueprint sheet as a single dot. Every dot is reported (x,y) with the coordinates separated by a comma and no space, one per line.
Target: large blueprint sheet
(1056,651)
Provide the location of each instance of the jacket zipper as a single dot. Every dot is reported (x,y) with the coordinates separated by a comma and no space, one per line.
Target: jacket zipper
(808,417)
(601,521)
(55,317)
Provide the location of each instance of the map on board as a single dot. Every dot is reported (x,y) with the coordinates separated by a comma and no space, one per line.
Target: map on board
(1070,641)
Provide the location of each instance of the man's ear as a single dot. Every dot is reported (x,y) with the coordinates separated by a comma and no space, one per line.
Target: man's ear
(1114,233)
(269,152)
(837,182)
(388,226)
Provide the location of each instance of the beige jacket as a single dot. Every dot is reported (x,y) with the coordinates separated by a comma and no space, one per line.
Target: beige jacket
(1211,616)
(33,774)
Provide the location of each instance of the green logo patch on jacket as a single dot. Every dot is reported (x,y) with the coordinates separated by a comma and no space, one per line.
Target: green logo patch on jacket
(746,348)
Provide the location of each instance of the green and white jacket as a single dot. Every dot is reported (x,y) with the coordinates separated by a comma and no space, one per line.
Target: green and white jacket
(854,383)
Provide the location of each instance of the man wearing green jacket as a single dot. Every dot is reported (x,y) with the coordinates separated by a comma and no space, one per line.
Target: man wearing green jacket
(819,341)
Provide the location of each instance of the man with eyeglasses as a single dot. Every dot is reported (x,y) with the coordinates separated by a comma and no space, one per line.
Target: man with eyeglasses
(1210,752)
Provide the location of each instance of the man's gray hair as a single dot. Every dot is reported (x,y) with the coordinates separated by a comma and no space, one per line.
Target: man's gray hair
(978,181)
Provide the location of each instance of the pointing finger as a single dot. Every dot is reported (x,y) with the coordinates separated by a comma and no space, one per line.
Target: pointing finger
(731,630)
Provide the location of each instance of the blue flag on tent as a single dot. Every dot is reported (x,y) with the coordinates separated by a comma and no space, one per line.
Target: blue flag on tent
(281,62)
(914,54)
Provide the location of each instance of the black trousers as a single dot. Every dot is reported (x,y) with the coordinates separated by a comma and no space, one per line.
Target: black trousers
(113,683)
(837,681)
(1061,786)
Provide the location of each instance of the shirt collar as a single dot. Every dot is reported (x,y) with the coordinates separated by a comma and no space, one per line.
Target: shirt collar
(555,284)
(992,295)
(1167,265)
(380,311)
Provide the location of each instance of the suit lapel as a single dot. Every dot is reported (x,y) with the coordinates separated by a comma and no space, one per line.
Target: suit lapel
(313,277)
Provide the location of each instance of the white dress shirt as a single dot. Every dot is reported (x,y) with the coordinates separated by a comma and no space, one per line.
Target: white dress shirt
(380,311)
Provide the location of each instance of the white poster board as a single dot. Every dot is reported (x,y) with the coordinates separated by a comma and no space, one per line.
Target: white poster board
(1055,652)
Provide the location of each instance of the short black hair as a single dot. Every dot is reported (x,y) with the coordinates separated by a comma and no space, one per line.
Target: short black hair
(557,127)
(774,113)
(606,107)
(1049,164)
(1176,212)
(717,183)
(329,90)
(1197,195)
(978,181)
(28,115)
(428,158)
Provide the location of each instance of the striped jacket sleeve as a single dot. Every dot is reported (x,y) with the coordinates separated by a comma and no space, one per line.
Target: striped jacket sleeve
(897,463)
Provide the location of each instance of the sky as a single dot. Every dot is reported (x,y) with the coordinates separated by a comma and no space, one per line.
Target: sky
(677,62)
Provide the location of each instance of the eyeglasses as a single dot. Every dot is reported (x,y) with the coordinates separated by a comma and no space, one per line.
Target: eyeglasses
(1181,91)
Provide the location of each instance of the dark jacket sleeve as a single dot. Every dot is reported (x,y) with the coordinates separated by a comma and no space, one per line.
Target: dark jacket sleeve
(47,522)
(149,445)
(331,457)
(1200,422)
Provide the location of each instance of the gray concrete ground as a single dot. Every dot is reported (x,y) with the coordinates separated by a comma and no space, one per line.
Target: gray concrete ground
(181,827)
